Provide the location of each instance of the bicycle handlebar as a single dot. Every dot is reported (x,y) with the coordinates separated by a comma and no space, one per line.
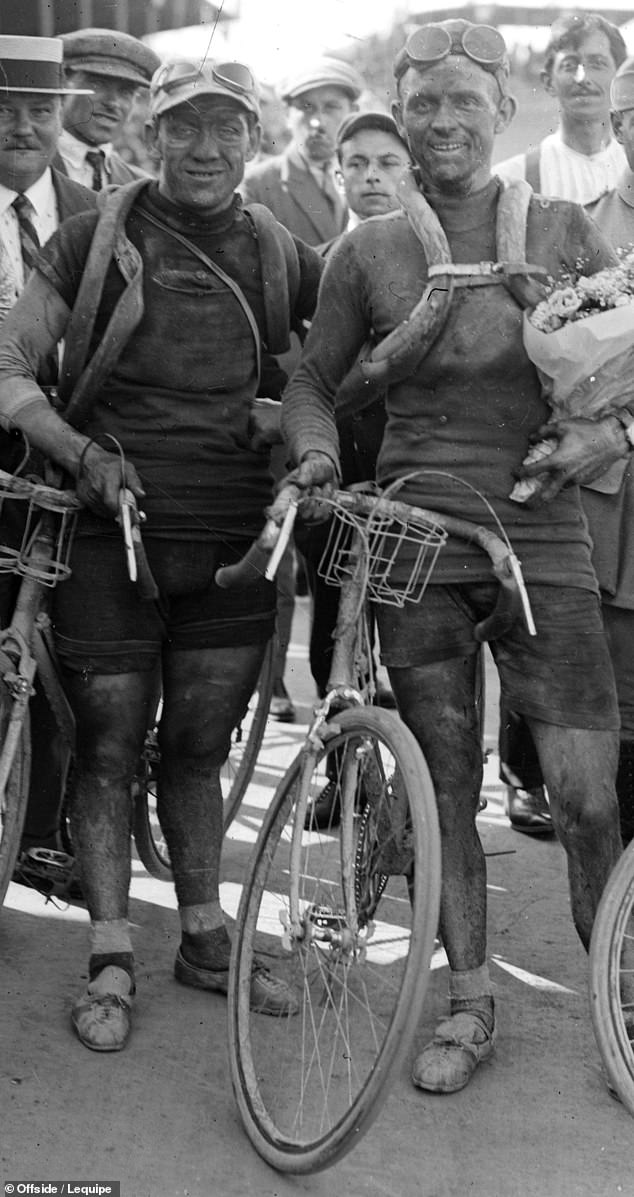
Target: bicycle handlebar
(512,599)
(55,500)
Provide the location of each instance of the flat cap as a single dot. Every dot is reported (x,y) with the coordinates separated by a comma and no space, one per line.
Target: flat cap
(108,52)
(369,119)
(622,87)
(325,72)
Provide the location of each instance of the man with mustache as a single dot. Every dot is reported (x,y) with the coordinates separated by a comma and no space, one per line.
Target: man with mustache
(35,197)
(112,66)
(581,162)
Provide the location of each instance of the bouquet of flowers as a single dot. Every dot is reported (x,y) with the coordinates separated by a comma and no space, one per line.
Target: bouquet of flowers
(581,338)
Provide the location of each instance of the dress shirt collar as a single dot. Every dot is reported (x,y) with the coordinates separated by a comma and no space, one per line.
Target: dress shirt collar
(75,150)
(41,194)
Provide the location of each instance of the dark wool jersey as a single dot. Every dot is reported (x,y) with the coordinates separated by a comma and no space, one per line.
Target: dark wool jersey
(180,395)
(469,408)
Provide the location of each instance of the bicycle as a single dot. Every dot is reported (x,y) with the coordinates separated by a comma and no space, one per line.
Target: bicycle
(349,915)
(611,978)
(26,648)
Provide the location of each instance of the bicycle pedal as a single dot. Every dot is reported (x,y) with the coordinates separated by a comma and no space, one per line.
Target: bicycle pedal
(48,862)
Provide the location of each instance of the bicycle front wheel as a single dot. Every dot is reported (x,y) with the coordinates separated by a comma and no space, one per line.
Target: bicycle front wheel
(13,802)
(357,958)
(612,978)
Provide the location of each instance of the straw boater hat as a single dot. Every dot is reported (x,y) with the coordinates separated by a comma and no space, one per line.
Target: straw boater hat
(33,64)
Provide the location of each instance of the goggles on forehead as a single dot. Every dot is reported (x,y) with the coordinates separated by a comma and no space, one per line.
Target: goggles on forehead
(429,44)
(232,75)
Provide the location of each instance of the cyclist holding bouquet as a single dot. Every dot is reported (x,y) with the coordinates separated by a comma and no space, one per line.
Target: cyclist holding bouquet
(461,405)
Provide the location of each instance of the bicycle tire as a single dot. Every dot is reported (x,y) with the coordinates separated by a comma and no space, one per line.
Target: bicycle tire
(611,954)
(303,1112)
(14,803)
(235,775)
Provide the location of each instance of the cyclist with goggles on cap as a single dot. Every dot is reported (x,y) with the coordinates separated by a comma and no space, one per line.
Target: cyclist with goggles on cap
(175,270)
(462,401)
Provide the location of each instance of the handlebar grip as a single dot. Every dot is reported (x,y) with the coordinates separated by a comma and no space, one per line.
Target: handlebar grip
(249,569)
(508,608)
(145,582)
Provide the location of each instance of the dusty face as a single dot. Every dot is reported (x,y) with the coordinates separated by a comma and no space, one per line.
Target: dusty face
(372,162)
(580,79)
(30,124)
(314,118)
(449,115)
(98,118)
(203,147)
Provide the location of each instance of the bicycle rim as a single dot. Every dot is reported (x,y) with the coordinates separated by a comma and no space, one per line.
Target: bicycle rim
(14,801)
(308,1086)
(246,742)
(612,978)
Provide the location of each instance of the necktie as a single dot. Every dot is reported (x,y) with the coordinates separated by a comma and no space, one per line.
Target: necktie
(96,159)
(29,240)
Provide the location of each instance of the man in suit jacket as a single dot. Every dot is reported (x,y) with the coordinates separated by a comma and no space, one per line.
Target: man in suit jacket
(298,185)
(30,126)
(112,66)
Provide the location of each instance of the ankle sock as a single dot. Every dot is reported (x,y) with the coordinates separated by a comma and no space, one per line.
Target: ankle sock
(100,960)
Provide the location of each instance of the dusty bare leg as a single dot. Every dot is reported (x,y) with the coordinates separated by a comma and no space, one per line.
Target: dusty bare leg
(579,770)
(205,694)
(437,702)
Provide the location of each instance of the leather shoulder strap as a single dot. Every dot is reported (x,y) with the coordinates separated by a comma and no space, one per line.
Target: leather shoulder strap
(114,207)
(280,275)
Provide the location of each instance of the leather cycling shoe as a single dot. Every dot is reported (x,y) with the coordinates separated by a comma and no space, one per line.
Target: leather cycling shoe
(324,814)
(102,1015)
(269,994)
(449,1061)
(528,811)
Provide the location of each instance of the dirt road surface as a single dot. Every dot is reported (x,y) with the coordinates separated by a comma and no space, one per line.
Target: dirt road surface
(160,1118)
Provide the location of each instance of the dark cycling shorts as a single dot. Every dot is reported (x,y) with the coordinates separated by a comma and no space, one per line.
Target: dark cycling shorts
(562,676)
(102,625)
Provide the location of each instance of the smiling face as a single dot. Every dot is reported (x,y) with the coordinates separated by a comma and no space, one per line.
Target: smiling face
(449,115)
(203,147)
(580,78)
(99,118)
(314,118)
(372,162)
(30,125)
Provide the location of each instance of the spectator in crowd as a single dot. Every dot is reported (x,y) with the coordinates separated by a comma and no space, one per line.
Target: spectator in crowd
(299,187)
(610,511)
(581,162)
(201,282)
(34,199)
(462,401)
(110,66)
(372,158)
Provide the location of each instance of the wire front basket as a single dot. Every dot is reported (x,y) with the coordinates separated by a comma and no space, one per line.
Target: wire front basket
(39,522)
(397,556)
